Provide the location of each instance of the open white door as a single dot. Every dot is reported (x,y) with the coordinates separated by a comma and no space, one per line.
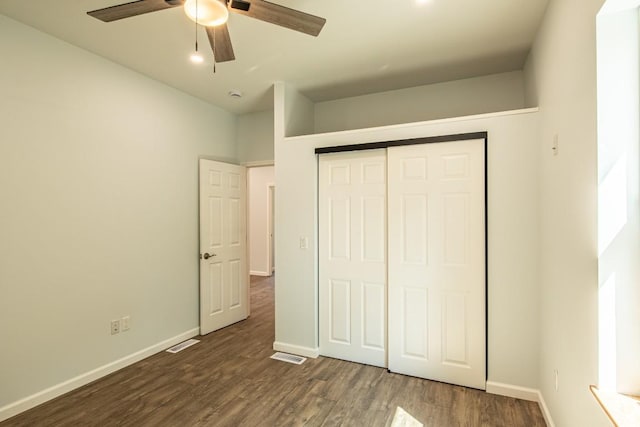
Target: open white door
(224,274)
(437,262)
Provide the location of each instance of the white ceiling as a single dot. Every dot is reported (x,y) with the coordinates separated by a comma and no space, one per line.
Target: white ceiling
(366,46)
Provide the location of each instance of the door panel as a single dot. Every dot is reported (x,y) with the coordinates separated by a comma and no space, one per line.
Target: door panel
(214,285)
(352,256)
(339,228)
(413,222)
(456,229)
(415,311)
(340,318)
(373,226)
(436,270)
(373,299)
(235,282)
(454,330)
(215,222)
(224,276)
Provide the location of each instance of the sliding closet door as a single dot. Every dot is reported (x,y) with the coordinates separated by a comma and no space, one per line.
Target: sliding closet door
(437,261)
(352,256)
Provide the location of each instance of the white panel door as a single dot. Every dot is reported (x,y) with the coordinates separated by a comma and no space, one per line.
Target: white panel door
(224,274)
(436,271)
(352,256)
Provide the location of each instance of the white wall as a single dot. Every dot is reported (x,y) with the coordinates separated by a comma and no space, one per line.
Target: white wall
(618,195)
(99,218)
(260,178)
(496,92)
(561,79)
(255,137)
(512,240)
(298,113)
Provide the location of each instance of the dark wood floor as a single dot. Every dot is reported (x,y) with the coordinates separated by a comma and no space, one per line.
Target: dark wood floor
(229,380)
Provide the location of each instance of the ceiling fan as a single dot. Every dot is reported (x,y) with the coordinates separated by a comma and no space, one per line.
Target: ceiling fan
(216,28)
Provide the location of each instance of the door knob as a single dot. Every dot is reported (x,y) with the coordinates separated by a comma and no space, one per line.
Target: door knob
(207,256)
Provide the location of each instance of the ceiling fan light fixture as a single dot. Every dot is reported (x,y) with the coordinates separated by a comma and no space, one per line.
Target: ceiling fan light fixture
(210,13)
(196,58)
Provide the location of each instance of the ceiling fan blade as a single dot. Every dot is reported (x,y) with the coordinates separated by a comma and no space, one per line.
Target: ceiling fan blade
(135,8)
(284,17)
(240,4)
(220,42)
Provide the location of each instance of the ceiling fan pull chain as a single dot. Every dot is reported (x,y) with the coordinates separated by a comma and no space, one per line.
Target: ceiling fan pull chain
(196,26)
(213,48)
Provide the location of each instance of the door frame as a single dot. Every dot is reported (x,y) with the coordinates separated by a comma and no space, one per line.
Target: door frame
(484,135)
(267,187)
(271,218)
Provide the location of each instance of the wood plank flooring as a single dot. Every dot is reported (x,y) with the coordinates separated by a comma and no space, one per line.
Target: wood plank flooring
(229,380)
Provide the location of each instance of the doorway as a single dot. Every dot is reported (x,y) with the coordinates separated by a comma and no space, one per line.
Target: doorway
(261,218)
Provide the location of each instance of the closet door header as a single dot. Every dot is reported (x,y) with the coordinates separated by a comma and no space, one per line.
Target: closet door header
(401,142)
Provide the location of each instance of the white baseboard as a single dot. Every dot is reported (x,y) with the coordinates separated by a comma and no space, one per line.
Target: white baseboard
(523,393)
(36,399)
(545,411)
(509,390)
(296,349)
(258,273)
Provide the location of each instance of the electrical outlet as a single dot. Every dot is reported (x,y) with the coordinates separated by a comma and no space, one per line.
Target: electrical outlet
(115,327)
(555,375)
(125,323)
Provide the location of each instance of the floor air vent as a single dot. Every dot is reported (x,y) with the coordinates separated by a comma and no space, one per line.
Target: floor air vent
(179,347)
(291,358)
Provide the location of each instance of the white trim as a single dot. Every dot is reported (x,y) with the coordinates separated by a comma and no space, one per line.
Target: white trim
(614,6)
(36,399)
(545,411)
(259,273)
(258,164)
(524,393)
(219,159)
(271,189)
(509,390)
(323,137)
(296,349)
